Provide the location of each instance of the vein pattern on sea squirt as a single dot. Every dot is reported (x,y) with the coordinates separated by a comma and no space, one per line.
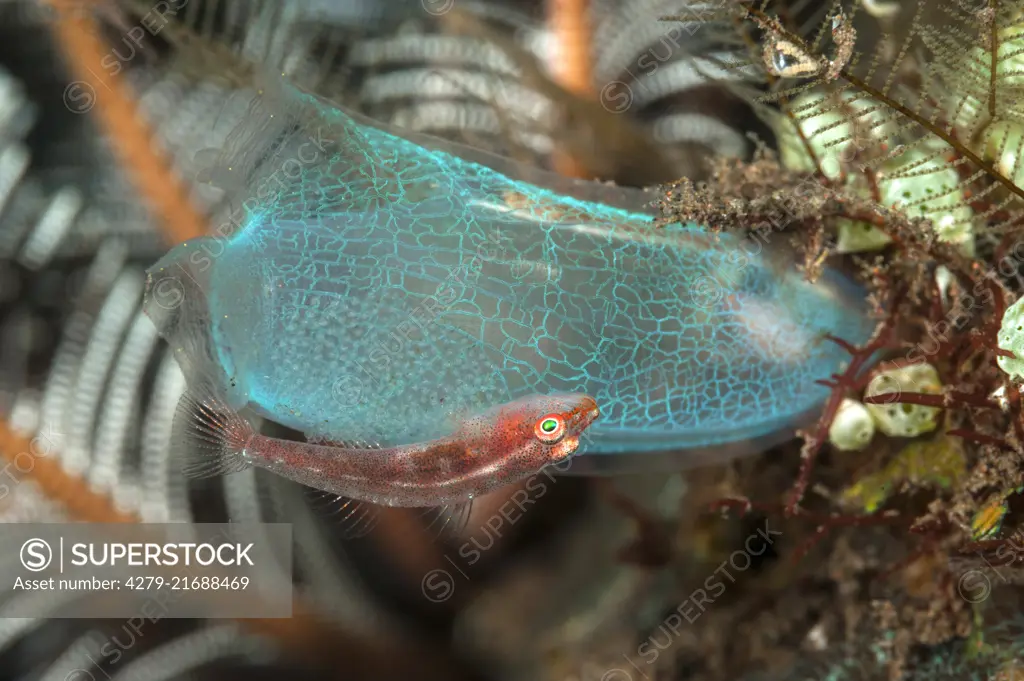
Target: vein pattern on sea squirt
(380,286)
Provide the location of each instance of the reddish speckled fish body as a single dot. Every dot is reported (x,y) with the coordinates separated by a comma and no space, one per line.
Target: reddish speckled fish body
(499,447)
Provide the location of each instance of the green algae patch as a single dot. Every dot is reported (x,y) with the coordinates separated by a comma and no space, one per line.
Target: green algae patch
(933,463)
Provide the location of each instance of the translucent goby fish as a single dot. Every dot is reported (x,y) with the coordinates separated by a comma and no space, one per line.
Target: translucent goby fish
(374,285)
(498,447)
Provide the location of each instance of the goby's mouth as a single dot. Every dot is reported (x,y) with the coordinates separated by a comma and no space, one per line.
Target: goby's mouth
(586,414)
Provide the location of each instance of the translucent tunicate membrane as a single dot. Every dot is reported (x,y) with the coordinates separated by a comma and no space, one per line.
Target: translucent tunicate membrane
(370,285)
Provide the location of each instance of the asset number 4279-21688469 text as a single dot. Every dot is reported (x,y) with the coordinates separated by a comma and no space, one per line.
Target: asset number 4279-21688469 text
(187,583)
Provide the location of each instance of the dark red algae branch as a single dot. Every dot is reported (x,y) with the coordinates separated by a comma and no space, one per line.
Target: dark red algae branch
(932,541)
(1013,399)
(929,400)
(835,520)
(980,438)
(825,522)
(652,547)
(842,383)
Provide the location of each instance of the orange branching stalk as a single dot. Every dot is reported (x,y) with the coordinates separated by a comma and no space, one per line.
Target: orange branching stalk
(572,69)
(117,113)
(72,492)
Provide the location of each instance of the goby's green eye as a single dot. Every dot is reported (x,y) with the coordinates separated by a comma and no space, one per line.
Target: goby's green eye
(550,428)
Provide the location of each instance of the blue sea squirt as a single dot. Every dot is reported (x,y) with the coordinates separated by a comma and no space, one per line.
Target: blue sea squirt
(368,285)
